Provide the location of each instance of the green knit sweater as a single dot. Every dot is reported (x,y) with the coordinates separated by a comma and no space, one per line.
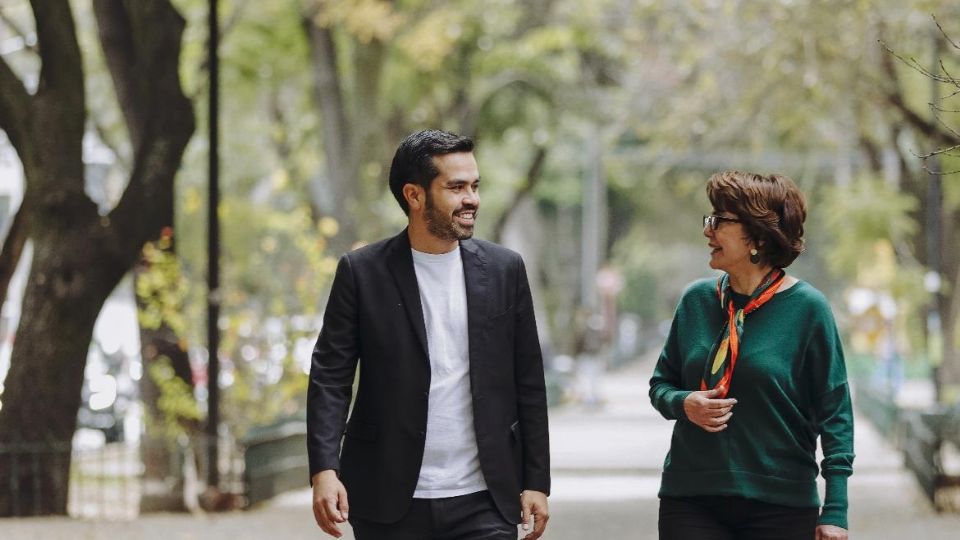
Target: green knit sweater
(790,383)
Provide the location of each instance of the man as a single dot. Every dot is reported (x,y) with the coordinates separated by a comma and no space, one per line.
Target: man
(447,438)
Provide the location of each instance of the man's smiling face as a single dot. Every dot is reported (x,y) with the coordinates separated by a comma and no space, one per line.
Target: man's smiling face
(453,199)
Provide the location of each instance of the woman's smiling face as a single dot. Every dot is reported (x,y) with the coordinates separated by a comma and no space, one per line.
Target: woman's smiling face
(729,244)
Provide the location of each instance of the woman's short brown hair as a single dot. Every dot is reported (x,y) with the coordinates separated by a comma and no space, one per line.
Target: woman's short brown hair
(771,209)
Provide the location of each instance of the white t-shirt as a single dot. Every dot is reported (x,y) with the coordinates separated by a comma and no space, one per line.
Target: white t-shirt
(451,464)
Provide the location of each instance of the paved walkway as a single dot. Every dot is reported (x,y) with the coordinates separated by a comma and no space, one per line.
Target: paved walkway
(606,474)
(615,455)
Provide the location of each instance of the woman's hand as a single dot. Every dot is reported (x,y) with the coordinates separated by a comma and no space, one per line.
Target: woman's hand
(831,532)
(705,409)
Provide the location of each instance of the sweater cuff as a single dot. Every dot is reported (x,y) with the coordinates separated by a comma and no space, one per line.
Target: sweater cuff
(675,403)
(835,502)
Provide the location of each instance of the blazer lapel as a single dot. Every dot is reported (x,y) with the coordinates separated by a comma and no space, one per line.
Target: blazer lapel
(477,283)
(400,263)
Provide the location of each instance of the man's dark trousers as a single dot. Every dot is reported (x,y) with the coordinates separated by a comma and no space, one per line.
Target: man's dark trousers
(467,517)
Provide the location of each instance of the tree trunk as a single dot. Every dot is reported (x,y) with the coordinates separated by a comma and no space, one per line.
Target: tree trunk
(948,303)
(371,146)
(42,396)
(337,195)
(79,255)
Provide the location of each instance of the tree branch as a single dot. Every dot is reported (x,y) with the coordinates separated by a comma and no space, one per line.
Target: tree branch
(61,70)
(945,35)
(156,111)
(13,249)
(948,77)
(15,108)
(15,101)
(534,173)
(119,49)
(912,63)
(939,173)
(930,129)
(894,97)
(946,150)
(492,86)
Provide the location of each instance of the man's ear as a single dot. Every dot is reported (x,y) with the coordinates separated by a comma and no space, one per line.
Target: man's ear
(415,195)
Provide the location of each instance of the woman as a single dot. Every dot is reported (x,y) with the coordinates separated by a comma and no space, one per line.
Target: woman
(753,372)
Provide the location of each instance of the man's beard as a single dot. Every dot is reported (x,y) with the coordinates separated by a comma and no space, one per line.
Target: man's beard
(445,227)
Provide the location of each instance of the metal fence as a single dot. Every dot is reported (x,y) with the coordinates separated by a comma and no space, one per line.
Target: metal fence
(23,490)
(923,436)
(926,436)
(882,411)
(105,483)
(275,460)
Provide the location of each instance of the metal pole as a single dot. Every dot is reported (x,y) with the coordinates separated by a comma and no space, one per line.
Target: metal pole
(213,253)
(934,226)
(593,226)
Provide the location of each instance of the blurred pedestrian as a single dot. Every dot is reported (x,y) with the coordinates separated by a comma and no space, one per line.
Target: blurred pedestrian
(591,362)
(753,371)
(890,368)
(448,434)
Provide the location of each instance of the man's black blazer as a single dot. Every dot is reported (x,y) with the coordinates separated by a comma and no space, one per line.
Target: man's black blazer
(374,315)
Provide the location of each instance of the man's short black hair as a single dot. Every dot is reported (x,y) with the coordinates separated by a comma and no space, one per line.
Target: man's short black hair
(413,162)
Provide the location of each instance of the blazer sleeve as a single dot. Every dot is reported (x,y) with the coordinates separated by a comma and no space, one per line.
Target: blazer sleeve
(531,390)
(332,370)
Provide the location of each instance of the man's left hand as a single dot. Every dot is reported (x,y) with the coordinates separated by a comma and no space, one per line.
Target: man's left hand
(831,532)
(534,506)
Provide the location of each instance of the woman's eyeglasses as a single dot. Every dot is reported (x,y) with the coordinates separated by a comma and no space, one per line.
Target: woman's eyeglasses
(714,221)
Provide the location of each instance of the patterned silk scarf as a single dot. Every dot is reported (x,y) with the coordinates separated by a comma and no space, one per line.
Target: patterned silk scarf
(723,356)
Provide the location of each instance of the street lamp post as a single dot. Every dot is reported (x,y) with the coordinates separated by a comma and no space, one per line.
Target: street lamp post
(213,253)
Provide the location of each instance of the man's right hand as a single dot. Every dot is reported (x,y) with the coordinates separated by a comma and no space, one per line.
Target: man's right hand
(329,502)
(707,410)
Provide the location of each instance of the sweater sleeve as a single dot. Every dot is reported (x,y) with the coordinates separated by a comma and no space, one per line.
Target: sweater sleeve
(834,419)
(666,394)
